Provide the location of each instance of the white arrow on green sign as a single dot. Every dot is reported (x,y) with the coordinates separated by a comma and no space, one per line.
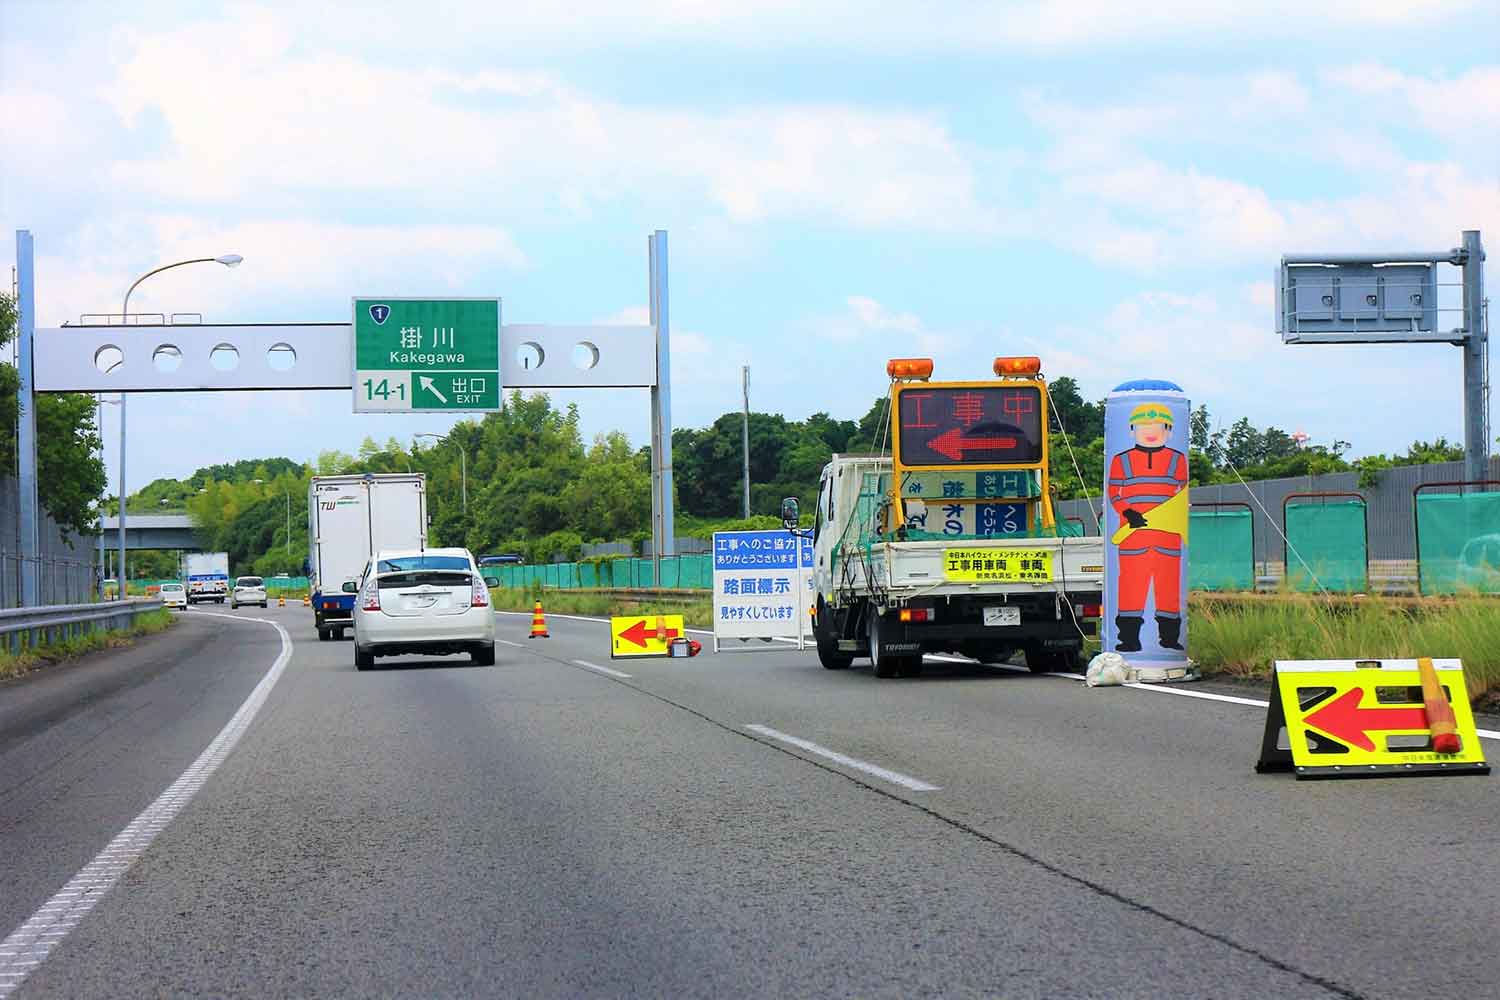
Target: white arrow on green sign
(426,354)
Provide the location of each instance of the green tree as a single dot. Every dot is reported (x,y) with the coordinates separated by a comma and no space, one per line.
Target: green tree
(70,473)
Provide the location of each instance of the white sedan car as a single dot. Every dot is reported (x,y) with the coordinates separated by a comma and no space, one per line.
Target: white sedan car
(248,590)
(174,595)
(423,601)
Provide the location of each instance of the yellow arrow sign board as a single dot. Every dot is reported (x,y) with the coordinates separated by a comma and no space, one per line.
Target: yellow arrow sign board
(643,635)
(1362,719)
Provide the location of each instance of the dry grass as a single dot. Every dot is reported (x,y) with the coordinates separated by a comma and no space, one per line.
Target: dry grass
(1243,639)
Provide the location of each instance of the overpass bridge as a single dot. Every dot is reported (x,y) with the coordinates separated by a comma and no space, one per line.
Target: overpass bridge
(152,531)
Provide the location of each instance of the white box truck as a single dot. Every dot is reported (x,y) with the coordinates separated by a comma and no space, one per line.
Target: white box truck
(350,517)
(207,576)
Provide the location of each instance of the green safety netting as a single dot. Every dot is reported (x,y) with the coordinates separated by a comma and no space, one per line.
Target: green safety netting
(1330,538)
(689,572)
(1222,553)
(1458,542)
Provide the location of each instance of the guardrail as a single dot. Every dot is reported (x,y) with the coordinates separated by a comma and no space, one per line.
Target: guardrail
(23,628)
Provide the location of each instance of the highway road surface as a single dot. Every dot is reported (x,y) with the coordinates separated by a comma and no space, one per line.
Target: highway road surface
(219,811)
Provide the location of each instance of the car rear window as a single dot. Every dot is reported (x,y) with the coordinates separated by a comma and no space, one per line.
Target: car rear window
(406,564)
(250,581)
(171,587)
(413,571)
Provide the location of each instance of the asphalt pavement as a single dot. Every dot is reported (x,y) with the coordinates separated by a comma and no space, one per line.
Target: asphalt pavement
(564,824)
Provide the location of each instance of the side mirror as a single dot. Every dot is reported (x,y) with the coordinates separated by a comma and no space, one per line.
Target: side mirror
(350,587)
(791,512)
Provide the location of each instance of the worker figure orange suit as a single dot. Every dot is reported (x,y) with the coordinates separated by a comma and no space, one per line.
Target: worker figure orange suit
(1140,479)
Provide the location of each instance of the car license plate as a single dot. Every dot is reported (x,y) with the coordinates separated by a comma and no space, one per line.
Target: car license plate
(1002,616)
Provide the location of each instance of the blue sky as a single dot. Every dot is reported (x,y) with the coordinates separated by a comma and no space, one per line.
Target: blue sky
(1107,186)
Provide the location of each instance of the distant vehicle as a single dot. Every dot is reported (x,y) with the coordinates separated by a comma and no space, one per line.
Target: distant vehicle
(349,518)
(416,601)
(248,590)
(174,595)
(207,576)
(502,560)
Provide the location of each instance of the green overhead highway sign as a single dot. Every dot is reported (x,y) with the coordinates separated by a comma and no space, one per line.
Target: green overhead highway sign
(426,354)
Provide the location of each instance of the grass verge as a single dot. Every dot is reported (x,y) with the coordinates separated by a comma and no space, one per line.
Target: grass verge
(146,623)
(1242,640)
(697,613)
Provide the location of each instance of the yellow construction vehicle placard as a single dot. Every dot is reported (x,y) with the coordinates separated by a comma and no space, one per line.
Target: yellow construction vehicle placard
(997,565)
(1364,719)
(643,635)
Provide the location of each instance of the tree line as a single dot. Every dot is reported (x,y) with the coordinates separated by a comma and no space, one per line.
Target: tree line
(535,488)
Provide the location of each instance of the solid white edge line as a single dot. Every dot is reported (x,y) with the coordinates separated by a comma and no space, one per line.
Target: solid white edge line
(1487,734)
(29,944)
(603,670)
(874,770)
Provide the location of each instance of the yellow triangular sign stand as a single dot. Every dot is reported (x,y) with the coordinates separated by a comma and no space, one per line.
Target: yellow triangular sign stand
(1367,719)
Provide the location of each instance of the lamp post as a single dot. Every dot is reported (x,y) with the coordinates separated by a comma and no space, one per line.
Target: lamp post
(228,260)
(463,467)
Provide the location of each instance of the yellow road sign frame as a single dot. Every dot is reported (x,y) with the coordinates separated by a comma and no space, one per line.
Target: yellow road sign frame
(648,629)
(1314,701)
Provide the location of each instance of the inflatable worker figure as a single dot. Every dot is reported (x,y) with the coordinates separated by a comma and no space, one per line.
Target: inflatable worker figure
(1142,478)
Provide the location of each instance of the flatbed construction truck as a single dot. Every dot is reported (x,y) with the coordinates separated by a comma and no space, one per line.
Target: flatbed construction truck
(348,519)
(950,543)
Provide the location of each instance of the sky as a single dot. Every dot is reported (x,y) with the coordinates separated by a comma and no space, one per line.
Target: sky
(1108,186)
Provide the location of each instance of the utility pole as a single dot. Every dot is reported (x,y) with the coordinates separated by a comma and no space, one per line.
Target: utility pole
(1476,356)
(663,528)
(26,432)
(745,434)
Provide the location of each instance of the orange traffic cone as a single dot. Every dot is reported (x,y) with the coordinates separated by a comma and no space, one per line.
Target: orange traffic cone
(281,601)
(306,601)
(538,623)
(661,629)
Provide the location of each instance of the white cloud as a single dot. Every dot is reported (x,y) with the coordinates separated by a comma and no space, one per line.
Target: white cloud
(302,258)
(281,117)
(1464,109)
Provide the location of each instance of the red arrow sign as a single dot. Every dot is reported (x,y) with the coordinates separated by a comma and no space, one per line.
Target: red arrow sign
(638,633)
(1345,719)
(952,444)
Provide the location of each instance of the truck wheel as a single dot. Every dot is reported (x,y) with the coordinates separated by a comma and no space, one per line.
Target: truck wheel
(324,635)
(885,666)
(827,639)
(1041,660)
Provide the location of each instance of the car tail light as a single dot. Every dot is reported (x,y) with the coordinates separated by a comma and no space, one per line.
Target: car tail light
(481,595)
(917,614)
(370,599)
(1090,611)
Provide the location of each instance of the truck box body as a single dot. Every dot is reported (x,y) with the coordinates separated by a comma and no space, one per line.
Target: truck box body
(351,517)
(207,576)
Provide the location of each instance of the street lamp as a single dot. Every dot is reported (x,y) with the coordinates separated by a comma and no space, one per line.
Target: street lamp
(463,466)
(228,260)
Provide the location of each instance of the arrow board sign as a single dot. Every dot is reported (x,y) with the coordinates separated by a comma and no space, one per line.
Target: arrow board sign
(643,635)
(426,354)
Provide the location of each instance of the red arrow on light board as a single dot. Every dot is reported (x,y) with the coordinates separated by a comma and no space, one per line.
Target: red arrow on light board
(638,634)
(1345,719)
(952,444)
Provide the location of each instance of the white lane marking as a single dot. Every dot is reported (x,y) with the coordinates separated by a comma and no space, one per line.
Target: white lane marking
(1488,734)
(894,777)
(1205,695)
(518,645)
(28,945)
(603,670)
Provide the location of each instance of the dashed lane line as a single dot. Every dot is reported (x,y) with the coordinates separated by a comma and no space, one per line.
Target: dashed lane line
(874,770)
